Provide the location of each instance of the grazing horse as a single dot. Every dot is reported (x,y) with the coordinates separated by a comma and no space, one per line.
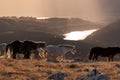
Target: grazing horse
(108,52)
(59,51)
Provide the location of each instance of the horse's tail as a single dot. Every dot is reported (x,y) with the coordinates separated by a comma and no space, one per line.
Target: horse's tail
(7,47)
(91,54)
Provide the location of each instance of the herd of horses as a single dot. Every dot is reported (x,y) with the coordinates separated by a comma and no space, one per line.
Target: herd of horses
(40,50)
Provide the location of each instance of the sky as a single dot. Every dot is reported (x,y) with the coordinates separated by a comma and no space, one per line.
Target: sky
(94,10)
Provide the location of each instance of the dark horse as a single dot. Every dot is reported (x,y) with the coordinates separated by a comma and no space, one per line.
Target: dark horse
(26,47)
(108,52)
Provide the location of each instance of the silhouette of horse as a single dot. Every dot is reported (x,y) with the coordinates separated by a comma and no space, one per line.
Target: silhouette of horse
(108,52)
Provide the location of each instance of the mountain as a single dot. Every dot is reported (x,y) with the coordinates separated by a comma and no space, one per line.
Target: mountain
(50,25)
(22,28)
(108,35)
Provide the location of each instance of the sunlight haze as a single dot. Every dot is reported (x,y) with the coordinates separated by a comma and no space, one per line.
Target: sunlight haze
(84,9)
(92,10)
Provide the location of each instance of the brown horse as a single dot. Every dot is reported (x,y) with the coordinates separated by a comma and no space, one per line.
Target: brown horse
(108,52)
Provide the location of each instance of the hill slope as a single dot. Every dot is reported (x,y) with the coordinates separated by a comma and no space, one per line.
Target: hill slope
(41,70)
(108,35)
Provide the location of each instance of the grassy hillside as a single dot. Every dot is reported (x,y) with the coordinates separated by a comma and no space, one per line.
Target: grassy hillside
(41,70)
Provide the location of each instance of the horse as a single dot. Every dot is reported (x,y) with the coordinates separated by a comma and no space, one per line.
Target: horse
(58,51)
(108,52)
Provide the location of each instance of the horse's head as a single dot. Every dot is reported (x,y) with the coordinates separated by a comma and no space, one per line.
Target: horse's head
(42,53)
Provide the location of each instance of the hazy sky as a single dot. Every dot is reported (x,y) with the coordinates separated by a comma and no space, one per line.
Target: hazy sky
(86,9)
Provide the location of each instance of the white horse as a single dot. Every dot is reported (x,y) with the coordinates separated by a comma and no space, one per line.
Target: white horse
(58,52)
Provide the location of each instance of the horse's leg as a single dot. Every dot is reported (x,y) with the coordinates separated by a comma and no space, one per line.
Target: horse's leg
(26,56)
(91,54)
(5,54)
(107,59)
(112,57)
(14,55)
(46,54)
(9,54)
(93,57)
(96,57)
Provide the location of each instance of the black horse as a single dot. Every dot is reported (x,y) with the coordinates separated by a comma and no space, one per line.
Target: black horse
(15,47)
(25,47)
(108,52)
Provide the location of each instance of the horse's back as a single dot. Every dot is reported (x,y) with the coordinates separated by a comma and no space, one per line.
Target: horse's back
(54,50)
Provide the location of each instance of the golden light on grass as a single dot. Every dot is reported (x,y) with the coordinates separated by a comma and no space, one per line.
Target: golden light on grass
(78,35)
(41,70)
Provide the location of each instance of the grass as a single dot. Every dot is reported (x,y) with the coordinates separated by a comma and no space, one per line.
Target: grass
(40,70)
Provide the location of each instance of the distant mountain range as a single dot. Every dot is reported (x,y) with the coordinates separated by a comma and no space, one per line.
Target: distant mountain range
(31,28)
(50,25)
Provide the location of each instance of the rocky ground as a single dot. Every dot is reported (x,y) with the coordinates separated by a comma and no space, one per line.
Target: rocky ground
(42,70)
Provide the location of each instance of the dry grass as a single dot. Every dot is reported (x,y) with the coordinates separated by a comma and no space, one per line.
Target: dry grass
(40,70)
